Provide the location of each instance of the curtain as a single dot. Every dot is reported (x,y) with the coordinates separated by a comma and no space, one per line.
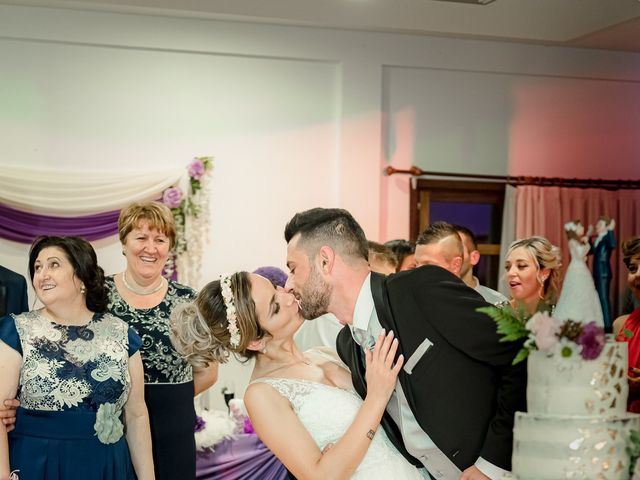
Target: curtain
(72,193)
(544,211)
(508,233)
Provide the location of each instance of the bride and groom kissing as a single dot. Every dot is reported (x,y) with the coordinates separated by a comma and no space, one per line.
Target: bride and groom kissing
(440,382)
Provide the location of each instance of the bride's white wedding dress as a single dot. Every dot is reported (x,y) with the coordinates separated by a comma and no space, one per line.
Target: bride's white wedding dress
(579,300)
(327,412)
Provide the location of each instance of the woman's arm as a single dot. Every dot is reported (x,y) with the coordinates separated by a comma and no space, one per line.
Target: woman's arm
(203,378)
(279,428)
(137,420)
(10,363)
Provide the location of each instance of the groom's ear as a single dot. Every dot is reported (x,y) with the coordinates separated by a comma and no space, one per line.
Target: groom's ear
(327,257)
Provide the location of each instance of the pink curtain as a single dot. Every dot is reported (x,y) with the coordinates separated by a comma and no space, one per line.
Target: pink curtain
(544,210)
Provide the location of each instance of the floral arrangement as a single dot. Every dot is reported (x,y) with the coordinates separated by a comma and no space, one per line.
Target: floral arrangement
(189,205)
(568,338)
(212,427)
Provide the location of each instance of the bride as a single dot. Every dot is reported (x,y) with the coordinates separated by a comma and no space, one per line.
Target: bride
(578,300)
(302,405)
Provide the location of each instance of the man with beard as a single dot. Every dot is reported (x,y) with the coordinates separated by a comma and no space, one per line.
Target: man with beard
(453,407)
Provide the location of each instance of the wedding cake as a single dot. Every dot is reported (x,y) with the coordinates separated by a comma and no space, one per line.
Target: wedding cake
(576,426)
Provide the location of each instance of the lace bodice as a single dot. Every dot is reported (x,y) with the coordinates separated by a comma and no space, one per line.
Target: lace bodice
(578,250)
(73,367)
(162,364)
(327,412)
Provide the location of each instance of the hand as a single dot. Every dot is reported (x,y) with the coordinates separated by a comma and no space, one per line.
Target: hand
(589,230)
(381,374)
(8,413)
(473,473)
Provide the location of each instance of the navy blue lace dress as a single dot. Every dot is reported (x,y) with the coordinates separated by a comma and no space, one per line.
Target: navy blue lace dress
(168,382)
(74,383)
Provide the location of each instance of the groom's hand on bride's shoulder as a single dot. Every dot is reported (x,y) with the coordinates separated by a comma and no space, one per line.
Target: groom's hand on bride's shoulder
(381,372)
(473,473)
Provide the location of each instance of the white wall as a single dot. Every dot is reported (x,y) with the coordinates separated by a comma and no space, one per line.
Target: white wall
(295,117)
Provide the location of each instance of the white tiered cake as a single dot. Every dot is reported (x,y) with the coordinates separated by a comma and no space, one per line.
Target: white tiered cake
(577,426)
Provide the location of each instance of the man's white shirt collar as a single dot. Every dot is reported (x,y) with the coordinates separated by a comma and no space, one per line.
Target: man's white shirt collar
(364,307)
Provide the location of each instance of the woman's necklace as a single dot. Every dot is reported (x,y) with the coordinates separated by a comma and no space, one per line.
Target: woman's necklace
(142,292)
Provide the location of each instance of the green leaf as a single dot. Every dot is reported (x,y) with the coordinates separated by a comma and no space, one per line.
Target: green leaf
(522,354)
(627,333)
(509,326)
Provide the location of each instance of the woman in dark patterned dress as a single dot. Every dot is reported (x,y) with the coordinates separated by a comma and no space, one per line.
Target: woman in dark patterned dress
(78,373)
(145,299)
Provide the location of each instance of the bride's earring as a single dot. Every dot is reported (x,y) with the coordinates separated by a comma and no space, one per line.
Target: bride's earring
(264,347)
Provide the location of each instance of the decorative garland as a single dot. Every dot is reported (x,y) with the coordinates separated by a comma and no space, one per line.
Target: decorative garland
(190,209)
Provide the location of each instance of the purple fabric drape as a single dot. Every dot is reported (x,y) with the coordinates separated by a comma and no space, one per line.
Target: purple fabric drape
(244,458)
(23,227)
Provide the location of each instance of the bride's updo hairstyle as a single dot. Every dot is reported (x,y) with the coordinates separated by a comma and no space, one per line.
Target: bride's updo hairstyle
(200,329)
(571,228)
(545,255)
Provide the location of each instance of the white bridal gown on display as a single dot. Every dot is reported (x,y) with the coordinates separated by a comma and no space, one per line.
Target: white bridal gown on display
(327,412)
(579,299)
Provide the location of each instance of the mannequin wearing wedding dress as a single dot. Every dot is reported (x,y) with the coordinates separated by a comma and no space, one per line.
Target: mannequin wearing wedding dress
(578,299)
(302,404)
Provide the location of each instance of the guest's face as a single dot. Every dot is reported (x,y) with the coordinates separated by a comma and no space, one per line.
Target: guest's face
(408,262)
(439,253)
(146,250)
(54,279)
(522,275)
(633,276)
(306,282)
(277,310)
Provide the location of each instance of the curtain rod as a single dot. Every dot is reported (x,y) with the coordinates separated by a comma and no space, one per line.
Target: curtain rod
(524,180)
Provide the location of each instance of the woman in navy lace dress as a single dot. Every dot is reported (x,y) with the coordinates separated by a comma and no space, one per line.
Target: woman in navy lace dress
(142,297)
(78,375)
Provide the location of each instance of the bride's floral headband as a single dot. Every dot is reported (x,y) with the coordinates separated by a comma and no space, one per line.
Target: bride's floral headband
(571,226)
(232,317)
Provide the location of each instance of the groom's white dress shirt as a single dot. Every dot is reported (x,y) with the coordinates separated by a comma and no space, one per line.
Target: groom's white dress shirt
(366,326)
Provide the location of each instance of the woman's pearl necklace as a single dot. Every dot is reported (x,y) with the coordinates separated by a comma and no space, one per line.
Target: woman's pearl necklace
(142,292)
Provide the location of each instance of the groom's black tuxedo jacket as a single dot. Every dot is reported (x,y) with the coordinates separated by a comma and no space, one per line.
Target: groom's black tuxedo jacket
(463,390)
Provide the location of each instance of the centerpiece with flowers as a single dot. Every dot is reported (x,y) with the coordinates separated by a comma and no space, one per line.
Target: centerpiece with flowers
(565,338)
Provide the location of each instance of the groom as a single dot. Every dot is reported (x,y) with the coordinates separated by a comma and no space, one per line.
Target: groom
(454,404)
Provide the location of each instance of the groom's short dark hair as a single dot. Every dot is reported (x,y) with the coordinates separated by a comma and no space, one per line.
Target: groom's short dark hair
(334,227)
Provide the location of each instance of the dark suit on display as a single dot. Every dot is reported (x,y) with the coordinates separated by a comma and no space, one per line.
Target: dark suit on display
(602,274)
(13,292)
(462,389)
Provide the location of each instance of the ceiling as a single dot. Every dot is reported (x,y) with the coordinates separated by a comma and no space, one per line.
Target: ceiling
(603,24)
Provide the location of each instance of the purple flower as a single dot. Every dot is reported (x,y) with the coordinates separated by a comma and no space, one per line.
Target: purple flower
(196,169)
(200,423)
(172,197)
(247,426)
(592,341)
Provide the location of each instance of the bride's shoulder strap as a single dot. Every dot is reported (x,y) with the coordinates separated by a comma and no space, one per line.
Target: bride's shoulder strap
(291,389)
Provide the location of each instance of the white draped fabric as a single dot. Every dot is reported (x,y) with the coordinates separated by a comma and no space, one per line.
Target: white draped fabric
(72,193)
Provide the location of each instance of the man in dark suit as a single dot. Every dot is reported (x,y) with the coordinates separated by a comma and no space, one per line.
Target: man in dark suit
(601,248)
(453,408)
(13,292)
